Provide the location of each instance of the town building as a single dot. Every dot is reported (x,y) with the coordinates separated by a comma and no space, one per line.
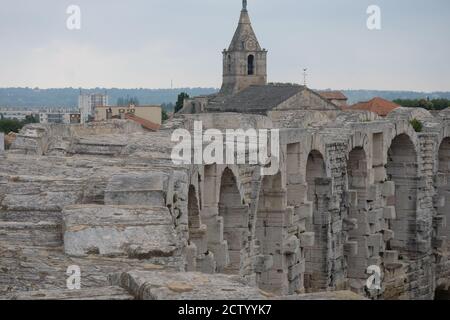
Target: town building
(380,106)
(147,113)
(88,102)
(61,117)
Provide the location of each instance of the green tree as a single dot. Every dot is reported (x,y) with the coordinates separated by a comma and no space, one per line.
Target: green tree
(165,116)
(10,125)
(417,125)
(180,101)
(31,119)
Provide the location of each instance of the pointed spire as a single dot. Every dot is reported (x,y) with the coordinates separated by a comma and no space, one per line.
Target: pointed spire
(244,32)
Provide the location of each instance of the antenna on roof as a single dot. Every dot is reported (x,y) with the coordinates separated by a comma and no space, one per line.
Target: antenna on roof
(305,75)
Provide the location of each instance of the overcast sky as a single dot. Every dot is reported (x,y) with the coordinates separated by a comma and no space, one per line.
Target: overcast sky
(148,43)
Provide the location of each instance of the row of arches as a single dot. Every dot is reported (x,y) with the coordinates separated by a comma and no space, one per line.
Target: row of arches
(234,221)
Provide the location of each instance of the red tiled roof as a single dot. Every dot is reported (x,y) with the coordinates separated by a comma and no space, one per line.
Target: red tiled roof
(333,95)
(149,125)
(377,105)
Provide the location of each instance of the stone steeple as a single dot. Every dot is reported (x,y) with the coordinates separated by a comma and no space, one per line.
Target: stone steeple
(244,63)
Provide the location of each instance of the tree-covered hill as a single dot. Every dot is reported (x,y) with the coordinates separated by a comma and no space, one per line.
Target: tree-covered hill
(68,97)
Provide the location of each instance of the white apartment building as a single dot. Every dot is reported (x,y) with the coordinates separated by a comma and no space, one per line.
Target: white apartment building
(87,103)
(59,117)
(16,114)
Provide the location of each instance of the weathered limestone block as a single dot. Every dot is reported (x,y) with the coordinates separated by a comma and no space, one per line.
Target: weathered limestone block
(262,263)
(440,223)
(349,224)
(389,213)
(379,173)
(307,239)
(388,235)
(131,231)
(32,139)
(305,211)
(206,263)
(137,189)
(352,198)
(291,245)
(376,242)
(388,189)
(373,193)
(160,285)
(326,296)
(199,238)
(43,193)
(363,224)
(191,257)
(214,229)
(295,270)
(46,234)
(221,254)
(439,201)
(375,218)
(390,256)
(49,201)
(351,248)
(102,293)
(441,179)
(94,147)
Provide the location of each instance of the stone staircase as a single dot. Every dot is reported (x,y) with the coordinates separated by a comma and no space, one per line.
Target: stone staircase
(104,293)
(33,264)
(33,260)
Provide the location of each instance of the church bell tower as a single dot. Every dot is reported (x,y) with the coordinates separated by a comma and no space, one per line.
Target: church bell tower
(244,63)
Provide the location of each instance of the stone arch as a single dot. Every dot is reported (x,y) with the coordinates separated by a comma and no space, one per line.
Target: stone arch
(402,169)
(235,223)
(357,171)
(197,242)
(193,209)
(358,180)
(316,276)
(271,270)
(443,189)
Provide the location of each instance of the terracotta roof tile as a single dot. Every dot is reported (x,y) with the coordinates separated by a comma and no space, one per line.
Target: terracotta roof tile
(377,105)
(149,125)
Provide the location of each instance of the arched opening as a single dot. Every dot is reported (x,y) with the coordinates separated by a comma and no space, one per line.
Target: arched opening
(251,64)
(316,267)
(402,170)
(357,171)
(195,233)
(269,233)
(442,292)
(193,209)
(443,188)
(235,223)
(357,174)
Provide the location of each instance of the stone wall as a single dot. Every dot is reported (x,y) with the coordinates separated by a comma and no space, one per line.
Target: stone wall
(353,191)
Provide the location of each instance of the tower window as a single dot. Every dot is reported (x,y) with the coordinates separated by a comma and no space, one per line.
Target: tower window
(251,64)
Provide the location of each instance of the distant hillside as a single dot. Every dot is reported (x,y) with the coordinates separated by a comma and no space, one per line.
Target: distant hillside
(68,97)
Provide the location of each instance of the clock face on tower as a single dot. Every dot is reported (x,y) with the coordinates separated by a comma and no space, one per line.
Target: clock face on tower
(251,45)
